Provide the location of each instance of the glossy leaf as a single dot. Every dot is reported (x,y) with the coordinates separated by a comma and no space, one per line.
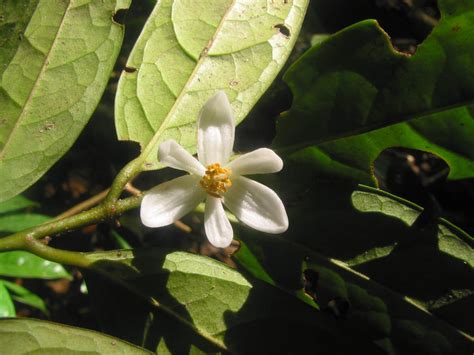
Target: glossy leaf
(352,158)
(22,295)
(190,49)
(434,262)
(428,262)
(452,240)
(28,336)
(361,307)
(7,309)
(120,241)
(210,306)
(355,82)
(18,222)
(27,265)
(16,203)
(51,81)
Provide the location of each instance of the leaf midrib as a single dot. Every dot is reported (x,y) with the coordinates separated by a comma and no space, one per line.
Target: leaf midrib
(163,126)
(35,85)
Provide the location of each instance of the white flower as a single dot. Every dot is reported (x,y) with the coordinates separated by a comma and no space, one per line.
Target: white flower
(216,180)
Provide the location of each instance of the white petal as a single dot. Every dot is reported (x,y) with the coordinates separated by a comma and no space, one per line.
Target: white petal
(171,200)
(217,225)
(260,161)
(216,128)
(256,205)
(175,156)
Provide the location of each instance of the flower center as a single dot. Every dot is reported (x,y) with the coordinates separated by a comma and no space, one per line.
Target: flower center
(216,180)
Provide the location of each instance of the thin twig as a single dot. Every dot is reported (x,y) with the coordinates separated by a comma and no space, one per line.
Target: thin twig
(132,189)
(94,201)
(85,205)
(184,227)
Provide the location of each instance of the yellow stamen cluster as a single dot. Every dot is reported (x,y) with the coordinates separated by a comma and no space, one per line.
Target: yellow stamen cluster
(216,180)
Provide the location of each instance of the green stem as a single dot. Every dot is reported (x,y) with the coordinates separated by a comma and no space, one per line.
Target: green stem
(128,172)
(95,215)
(57,255)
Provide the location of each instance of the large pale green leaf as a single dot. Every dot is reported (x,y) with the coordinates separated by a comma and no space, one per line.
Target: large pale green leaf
(355,82)
(187,301)
(51,81)
(31,336)
(24,264)
(190,49)
(7,309)
(361,307)
(15,16)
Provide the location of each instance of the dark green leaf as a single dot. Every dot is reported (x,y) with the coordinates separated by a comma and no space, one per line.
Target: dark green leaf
(18,222)
(24,264)
(368,199)
(361,307)
(16,203)
(120,241)
(53,72)
(352,158)
(355,81)
(430,264)
(433,263)
(31,336)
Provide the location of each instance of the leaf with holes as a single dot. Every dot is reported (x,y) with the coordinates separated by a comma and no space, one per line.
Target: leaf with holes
(211,306)
(32,336)
(352,158)
(54,67)
(190,49)
(358,305)
(355,82)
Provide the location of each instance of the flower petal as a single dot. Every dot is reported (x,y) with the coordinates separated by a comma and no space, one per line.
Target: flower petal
(175,156)
(216,128)
(260,161)
(256,205)
(216,224)
(171,200)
